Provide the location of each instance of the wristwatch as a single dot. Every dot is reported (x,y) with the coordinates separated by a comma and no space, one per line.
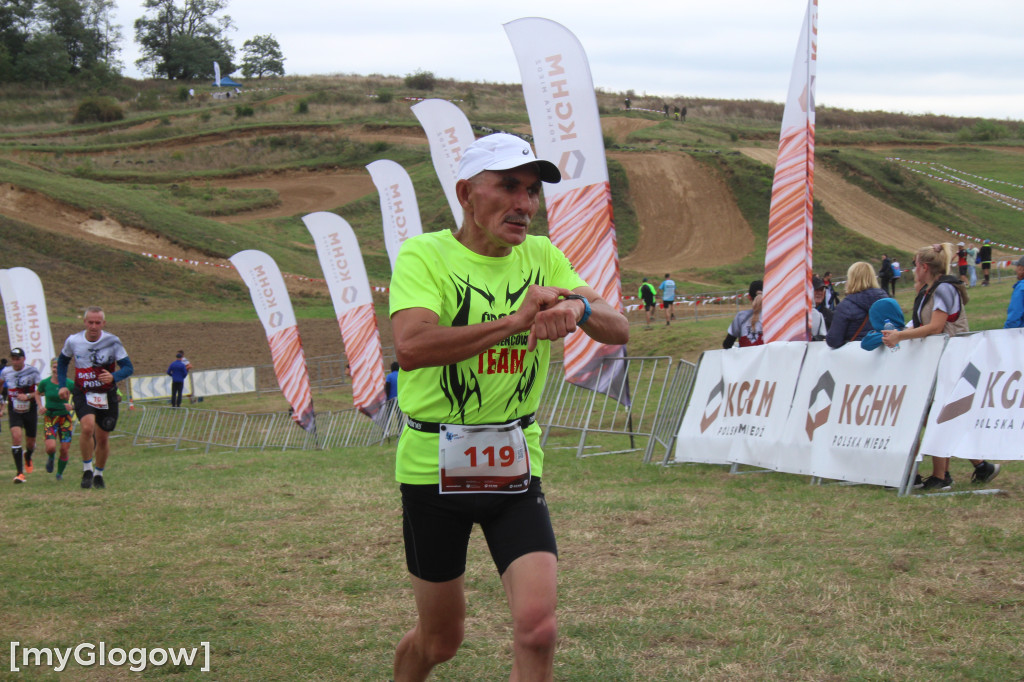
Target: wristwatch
(586,306)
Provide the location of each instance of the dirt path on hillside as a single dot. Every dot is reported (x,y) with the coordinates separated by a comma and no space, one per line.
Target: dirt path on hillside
(857,210)
(619,127)
(687,215)
(64,220)
(301,192)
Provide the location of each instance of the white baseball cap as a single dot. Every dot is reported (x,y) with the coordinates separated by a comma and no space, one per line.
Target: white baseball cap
(502,151)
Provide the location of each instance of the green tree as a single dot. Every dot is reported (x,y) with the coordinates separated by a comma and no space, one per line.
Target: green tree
(261,56)
(44,61)
(181,41)
(85,28)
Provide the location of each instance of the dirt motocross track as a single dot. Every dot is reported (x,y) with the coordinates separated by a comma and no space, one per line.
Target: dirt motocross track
(687,217)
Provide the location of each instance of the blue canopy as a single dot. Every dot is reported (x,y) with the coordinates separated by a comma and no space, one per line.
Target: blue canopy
(227,82)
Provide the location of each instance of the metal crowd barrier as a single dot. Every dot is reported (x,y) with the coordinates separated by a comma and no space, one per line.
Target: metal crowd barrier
(658,391)
(185,428)
(567,406)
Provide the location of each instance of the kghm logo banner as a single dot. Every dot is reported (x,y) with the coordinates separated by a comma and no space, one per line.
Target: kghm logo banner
(978,411)
(274,307)
(448,133)
(398,207)
(559,93)
(28,325)
(345,271)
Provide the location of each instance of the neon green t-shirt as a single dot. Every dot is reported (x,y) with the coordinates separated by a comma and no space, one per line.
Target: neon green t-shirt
(436,272)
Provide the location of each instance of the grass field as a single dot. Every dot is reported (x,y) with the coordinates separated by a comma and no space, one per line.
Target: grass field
(290,565)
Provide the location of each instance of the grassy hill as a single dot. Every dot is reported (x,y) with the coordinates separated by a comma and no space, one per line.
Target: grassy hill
(157,171)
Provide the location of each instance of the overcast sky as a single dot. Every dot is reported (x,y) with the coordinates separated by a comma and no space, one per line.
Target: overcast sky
(914,56)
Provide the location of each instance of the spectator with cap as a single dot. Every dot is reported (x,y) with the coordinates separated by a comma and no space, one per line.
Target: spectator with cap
(850,321)
(1015,312)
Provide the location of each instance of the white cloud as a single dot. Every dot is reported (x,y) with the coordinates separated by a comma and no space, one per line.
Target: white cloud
(902,55)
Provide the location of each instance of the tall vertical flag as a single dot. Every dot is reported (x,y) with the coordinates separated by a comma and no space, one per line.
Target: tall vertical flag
(448,133)
(560,100)
(398,207)
(216,74)
(274,308)
(343,267)
(788,293)
(28,325)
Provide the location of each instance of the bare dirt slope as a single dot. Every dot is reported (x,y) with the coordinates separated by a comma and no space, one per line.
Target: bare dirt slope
(687,215)
(301,192)
(857,210)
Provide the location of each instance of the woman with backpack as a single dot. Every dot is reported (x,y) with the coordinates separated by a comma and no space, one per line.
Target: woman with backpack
(939,308)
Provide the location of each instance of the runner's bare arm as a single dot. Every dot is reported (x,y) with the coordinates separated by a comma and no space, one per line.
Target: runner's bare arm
(420,341)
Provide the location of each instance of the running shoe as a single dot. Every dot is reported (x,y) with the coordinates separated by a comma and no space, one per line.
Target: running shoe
(97,481)
(60,477)
(985,472)
(87,479)
(20,478)
(28,466)
(49,464)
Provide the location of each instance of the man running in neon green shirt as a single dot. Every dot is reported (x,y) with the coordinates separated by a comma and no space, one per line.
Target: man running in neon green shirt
(474,314)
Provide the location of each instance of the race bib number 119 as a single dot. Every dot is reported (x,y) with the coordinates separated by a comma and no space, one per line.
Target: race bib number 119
(483,459)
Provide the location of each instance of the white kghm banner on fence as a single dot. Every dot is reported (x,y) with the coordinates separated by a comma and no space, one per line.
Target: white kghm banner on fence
(398,207)
(342,263)
(274,308)
(739,405)
(449,134)
(857,413)
(28,325)
(978,410)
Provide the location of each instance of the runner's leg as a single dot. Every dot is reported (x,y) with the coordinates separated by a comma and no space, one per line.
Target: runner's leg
(530,585)
(441,609)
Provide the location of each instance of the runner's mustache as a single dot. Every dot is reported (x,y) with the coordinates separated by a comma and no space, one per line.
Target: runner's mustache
(518,218)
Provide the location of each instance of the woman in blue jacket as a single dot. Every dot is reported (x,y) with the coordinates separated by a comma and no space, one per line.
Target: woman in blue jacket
(850,320)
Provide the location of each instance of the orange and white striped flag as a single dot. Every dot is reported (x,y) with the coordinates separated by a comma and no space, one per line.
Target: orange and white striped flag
(274,308)
(788,293)
(559,92)
(342,263)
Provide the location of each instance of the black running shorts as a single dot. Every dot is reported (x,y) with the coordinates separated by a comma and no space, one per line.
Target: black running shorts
(437,527)
(105,419)
(26,421)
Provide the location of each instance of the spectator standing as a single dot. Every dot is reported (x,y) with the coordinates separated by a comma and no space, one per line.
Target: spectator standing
(850,322)
(627,104)
(178,370)
(897,272)
(972,264)
(961,262)
(819,299)
(391,382)
(985,258)
(647,294)
(746,326)
(1015,311)
(884,275)
(939,308)
(668,297)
